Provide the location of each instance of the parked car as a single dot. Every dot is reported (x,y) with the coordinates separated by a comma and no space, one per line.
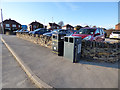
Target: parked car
(72,32)
(23,30)
(105,34)
(16,31)
(39,31)
(115,34)
(63,31)
(92,34)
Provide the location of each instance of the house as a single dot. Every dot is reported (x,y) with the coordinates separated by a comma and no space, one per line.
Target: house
(10,25)
(34,25)
(78,27)
(117,27)
(52,26)
(68,27)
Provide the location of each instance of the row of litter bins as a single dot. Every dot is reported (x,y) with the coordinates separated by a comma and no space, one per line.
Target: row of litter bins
(67,46)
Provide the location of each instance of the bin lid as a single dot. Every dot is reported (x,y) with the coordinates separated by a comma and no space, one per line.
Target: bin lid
(72,36)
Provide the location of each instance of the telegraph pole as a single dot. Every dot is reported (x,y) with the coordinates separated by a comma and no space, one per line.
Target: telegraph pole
(44,23)
(2,22)
(52,23)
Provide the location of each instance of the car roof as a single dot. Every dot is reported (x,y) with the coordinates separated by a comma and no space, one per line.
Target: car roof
(58,29)
(90,28)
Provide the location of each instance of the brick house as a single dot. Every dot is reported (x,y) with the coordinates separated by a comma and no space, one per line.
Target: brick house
(68,27)
(52,26)
(10,25)
(34,25)
(117,27)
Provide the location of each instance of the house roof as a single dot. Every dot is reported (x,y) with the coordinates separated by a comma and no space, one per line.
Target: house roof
(9,21)
(35,23)
(118,24)
(54,24)
(68,26)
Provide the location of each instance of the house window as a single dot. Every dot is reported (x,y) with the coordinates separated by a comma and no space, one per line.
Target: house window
(19,26)
(13,25)
(7,25)
(34,27)
(68,27)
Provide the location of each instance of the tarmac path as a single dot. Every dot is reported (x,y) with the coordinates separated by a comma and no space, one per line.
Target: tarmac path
(12,74)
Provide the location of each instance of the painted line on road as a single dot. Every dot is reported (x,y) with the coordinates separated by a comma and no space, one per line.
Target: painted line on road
(39,83)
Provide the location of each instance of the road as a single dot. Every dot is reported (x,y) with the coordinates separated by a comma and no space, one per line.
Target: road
(12,74)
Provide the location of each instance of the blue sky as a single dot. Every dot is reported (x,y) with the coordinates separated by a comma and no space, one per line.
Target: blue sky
(102,14)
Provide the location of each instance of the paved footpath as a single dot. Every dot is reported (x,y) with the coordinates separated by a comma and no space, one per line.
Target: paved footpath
(12,74)
(60,73)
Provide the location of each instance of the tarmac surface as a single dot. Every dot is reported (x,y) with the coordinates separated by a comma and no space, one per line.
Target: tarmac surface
(61,73)
(12,74)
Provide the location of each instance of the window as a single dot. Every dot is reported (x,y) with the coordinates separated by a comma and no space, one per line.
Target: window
(34,26)
(86,31)
(116,32)
(68,27)
(41,30)
(13,25)
(97,31)
(101,31)
(7,25)
(19,26)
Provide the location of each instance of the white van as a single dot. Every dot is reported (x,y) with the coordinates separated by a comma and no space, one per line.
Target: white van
(115,34)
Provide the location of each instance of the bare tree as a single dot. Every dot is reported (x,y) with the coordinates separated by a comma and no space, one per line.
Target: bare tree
(86,26)
(78,27)
(94,26)
(61,23)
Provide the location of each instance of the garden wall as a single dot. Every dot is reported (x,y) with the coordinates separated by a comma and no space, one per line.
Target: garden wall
(91,50)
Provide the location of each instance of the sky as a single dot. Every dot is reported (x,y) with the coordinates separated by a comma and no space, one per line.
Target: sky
(100,14)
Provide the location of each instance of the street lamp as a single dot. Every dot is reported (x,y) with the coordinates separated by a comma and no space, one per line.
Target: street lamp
(2,22)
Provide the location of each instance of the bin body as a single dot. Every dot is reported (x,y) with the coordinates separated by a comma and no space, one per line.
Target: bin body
(58,44)
(72,48)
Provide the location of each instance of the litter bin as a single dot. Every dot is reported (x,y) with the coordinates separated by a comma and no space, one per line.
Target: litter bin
(58,44)
(72,48)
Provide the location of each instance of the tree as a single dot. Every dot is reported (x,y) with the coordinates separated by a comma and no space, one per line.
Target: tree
(78,27)
(61,23)
(86,26)
(94,26)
